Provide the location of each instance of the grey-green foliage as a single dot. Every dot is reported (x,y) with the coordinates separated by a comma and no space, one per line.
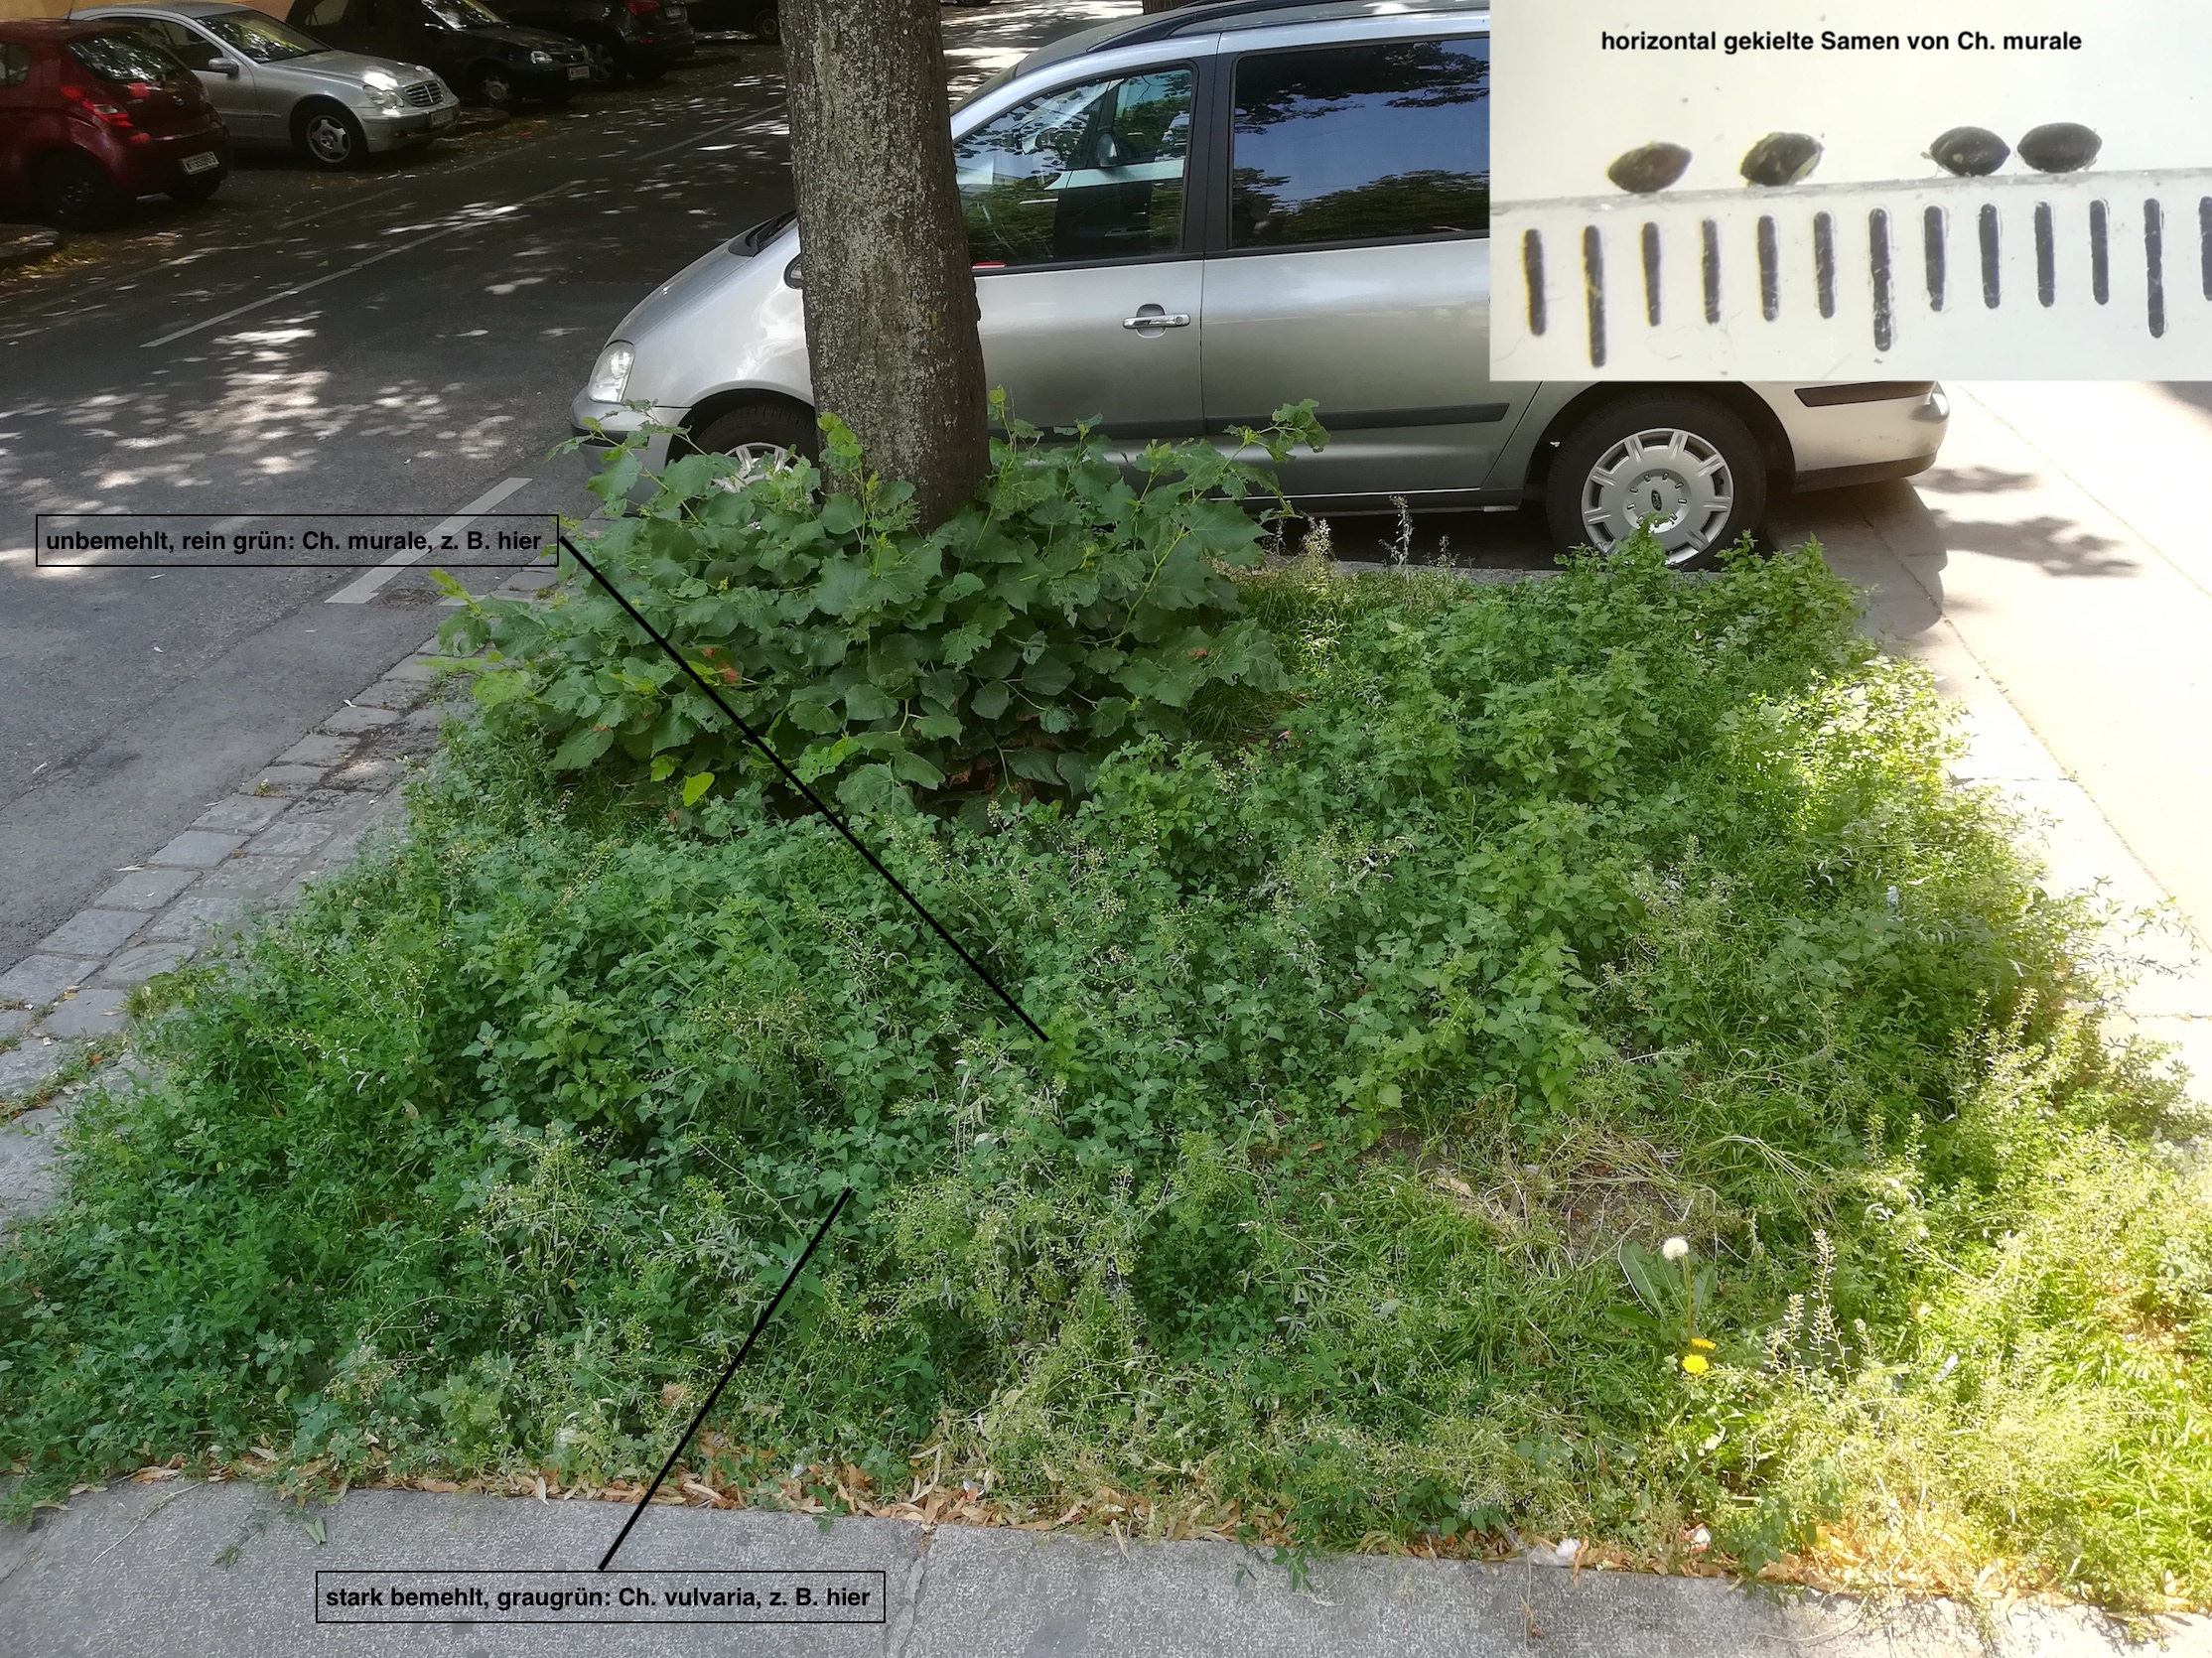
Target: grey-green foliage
(1062,612)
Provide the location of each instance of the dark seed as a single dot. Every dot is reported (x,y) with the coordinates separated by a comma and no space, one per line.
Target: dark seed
(1654,167)
(2062,147)
(1969,151)
(1781,158)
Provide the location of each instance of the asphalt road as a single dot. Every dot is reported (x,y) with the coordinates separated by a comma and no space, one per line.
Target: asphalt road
(402,339)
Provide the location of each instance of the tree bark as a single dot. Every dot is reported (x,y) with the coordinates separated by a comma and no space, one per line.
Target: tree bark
(889,296)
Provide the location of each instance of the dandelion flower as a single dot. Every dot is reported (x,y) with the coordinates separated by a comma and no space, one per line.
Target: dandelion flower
(1697,1364)
(1700,1342)
(1674,1249)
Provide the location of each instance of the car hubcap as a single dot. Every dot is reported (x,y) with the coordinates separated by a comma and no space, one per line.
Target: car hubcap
(1673,479)
(328,138)
(756,461)
(496,90)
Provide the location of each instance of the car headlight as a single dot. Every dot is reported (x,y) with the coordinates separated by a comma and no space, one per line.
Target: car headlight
(611,374)
(541,59)
(383,91)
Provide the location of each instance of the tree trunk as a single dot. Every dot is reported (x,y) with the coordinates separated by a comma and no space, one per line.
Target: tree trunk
(889,297)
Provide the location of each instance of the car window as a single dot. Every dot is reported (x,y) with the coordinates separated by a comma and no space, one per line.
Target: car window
(15,63)
(125,58)
(181,43)
(1088,172)
(462,14)
(1358,144)
(327,14)
(262,39)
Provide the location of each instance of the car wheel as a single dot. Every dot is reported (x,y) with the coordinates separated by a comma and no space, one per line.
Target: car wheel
(1686,464)
(763,435)
(74,192)
(328,137)
(493,85)
(608,68)
(762,23)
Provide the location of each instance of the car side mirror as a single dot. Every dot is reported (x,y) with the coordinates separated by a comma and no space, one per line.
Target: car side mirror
(224,65)
(1110,152)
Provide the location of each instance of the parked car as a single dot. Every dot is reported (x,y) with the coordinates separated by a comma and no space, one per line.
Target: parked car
(637,39)
(275,88)
(93,116)
(473,49)
(1181,222)
(759,18)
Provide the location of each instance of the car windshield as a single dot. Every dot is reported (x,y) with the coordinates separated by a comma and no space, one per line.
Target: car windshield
(463,14)
(124,58)
(264,38)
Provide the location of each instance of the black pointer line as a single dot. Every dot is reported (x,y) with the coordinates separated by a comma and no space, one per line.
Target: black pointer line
(758,1324)
(815,800)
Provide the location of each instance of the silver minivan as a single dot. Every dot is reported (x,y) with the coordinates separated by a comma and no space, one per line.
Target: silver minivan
(1179,221)
(277,89)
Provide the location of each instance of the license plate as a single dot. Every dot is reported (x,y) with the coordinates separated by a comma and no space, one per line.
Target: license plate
(201,162)
(441,118)
(580,72)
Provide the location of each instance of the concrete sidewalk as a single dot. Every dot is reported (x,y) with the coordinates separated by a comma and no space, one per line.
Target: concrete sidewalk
(194,1568)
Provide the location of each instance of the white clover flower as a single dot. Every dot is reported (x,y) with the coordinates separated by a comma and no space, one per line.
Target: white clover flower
(1674,1249)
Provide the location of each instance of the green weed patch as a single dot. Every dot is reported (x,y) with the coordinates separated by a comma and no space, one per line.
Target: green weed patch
(1391,1043)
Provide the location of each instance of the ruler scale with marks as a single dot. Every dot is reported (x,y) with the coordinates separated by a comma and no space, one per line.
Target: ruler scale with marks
(2079,276)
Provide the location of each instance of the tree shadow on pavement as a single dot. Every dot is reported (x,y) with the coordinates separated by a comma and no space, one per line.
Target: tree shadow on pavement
(1973,480)
(2196,393)
(2054,543)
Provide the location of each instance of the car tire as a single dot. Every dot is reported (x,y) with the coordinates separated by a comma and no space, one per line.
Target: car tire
(762,23)
(765,434)
(1687,461)
(74,192)
(608,68)
(493,84)
(328,137)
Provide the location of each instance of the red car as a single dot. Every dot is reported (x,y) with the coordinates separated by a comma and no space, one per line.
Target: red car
(93,114)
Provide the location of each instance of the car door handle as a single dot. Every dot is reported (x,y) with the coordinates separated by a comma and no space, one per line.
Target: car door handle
(1158,319)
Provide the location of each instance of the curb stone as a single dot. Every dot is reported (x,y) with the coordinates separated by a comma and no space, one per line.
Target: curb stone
(183,1566)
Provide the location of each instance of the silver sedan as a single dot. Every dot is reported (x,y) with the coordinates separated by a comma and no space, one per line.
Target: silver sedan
(278,88)
(1169,261)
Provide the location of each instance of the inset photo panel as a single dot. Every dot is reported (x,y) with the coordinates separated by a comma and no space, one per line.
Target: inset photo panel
(1751,190)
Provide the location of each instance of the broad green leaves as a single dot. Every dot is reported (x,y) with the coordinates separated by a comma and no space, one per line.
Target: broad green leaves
(1060,615)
